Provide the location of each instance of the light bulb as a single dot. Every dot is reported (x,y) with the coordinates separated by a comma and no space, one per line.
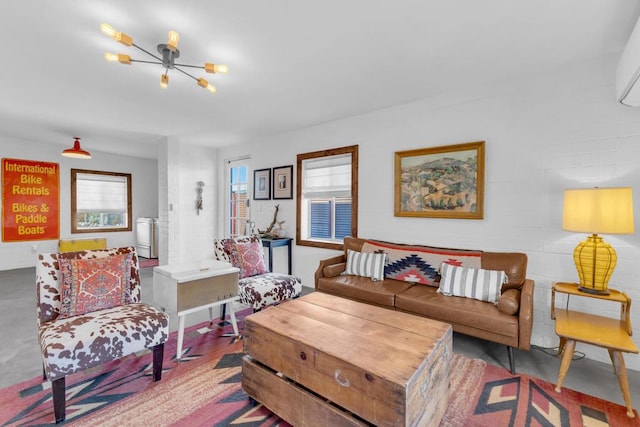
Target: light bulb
(216,68)
(108,30)
(164,81)
(117,57)
(205,84)
(117,36)
(111,57)
(174,38)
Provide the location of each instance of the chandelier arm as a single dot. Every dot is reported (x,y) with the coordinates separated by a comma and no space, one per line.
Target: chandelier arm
(146,62)
(185,73)
(147,52)
(190,66)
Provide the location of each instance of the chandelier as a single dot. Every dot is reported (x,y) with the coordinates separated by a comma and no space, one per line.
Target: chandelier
(168,54)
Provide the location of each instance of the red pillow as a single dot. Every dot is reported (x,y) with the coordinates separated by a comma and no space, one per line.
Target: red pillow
(250,259)
(94,284)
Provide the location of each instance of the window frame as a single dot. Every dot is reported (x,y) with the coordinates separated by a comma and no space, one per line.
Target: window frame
(229,219)
(74,203)
(353,151)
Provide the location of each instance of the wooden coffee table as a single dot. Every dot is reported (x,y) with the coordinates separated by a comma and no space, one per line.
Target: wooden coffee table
(325,360)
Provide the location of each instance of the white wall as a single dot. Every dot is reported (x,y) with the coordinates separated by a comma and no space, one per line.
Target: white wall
(185,234)
(144,173)
(544,134)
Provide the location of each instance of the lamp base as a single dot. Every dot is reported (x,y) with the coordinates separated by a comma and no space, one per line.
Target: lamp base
(595,260)
(593,291)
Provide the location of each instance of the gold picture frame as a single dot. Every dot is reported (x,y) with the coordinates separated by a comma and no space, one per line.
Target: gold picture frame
(440,182)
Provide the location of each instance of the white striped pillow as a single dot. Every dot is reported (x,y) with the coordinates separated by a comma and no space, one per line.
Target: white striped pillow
(365,264)
(483,285)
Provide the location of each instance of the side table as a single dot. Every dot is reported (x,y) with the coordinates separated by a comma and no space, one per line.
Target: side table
(274,243)
(191,287)
(606,332)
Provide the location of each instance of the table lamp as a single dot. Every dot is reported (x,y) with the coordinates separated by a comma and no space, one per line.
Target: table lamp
(597,210)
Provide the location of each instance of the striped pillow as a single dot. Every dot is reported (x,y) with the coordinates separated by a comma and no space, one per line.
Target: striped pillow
(365,264)
(476,283)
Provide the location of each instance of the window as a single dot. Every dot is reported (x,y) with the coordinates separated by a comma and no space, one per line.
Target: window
(237,185)
(327,197)
(100,201)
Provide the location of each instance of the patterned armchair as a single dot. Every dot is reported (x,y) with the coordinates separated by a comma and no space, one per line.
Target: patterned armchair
(258,287)
(89,312)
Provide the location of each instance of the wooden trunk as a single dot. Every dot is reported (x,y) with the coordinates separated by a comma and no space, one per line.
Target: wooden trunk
(387,367)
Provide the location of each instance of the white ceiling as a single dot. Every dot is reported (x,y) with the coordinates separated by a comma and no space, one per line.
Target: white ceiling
(291,63)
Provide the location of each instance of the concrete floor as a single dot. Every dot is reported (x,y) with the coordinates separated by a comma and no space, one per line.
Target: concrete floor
(20,354)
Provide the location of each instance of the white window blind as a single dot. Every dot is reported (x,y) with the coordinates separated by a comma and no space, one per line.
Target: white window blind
(101,193)
(327,176)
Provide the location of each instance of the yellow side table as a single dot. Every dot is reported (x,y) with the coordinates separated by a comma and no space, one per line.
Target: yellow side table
(606,332)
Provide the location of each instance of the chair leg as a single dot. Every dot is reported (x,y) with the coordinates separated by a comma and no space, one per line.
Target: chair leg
(59,399)
(512,365)
(158,354)
(223,315)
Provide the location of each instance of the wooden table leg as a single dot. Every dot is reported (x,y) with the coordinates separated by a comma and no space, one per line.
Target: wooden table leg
(569,347)
(617,359)
(180,336)
(563,341)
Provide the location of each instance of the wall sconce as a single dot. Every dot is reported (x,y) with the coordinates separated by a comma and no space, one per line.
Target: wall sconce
(199,186)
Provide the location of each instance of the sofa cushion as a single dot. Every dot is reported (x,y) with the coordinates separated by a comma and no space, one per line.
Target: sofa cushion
(514,264)
(88,285)
(363,289)
(420,264)
(365,264)
(477,283)
(468,312)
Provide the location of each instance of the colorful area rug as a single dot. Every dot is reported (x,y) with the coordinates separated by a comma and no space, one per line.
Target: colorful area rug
(203,389)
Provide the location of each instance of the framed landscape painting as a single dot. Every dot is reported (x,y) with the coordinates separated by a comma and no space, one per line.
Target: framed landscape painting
(440,182)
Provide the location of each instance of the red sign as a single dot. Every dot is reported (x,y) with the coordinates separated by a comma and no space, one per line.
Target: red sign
(30,200)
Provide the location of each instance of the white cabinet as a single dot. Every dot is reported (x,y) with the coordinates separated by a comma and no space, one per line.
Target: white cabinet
(190,287)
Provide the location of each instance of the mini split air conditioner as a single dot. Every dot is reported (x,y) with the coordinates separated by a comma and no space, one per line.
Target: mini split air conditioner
(628,73)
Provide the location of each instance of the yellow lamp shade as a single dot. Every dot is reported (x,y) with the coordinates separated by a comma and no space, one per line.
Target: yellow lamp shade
(597,210)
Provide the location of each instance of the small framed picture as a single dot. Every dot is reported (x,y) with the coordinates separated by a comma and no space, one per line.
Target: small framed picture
(262,184)
(283,182)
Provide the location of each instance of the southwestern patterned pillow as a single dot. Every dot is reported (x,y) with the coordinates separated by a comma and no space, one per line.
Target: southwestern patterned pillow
(420,264)
(250,259)
(227,249)
(89,285)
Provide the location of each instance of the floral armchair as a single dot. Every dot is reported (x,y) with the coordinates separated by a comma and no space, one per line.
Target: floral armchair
(89,312)
(258,287)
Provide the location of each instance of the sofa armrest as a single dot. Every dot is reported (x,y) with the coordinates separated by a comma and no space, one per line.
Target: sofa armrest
(525,320)
(327,262)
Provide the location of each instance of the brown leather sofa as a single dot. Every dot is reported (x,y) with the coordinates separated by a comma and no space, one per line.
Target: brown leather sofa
(509,322)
